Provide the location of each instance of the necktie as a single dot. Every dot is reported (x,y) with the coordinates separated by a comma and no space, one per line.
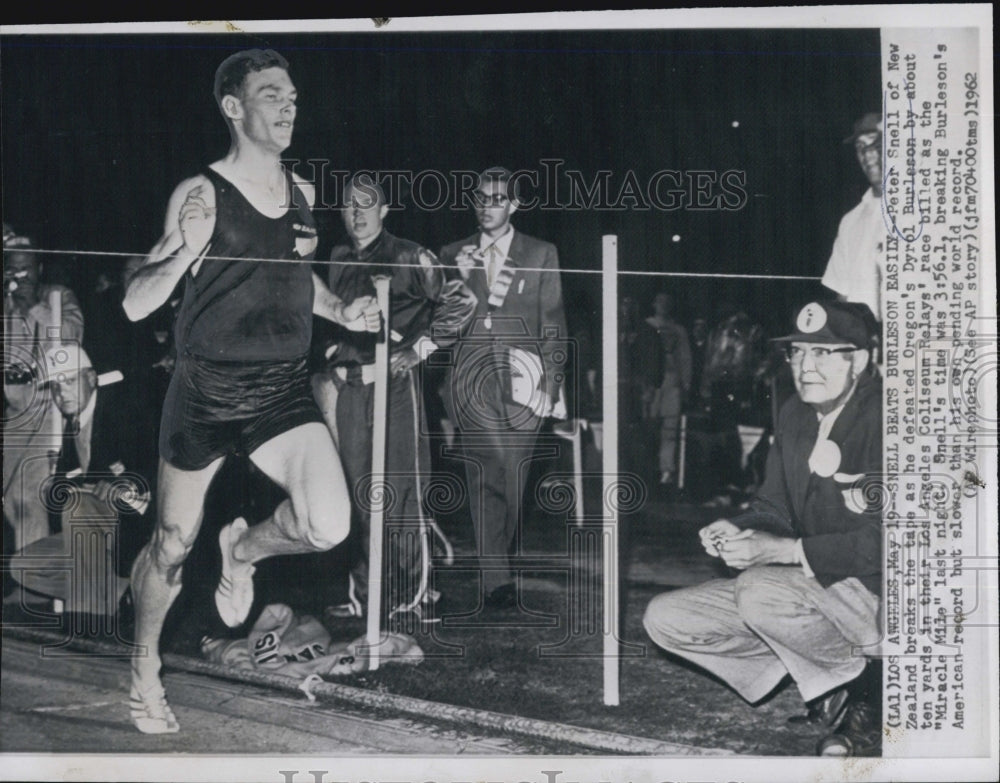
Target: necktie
(493,265)
(69,459)
(67,462)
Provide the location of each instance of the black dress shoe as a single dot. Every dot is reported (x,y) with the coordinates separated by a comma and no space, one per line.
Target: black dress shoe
(503,597)
(859,735)
(827,711)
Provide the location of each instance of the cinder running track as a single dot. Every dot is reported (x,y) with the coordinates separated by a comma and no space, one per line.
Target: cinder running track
(55,704)
(74,700)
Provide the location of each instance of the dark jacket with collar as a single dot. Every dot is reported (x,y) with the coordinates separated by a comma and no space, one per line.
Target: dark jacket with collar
(837,517)
(114,457)
(111,438)
(422,301)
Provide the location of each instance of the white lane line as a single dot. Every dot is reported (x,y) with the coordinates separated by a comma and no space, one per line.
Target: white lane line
(70,707)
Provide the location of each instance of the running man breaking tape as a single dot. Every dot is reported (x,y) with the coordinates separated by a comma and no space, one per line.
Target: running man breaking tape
(241,383)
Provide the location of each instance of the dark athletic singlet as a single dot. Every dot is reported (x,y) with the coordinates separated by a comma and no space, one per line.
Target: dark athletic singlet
(250,311)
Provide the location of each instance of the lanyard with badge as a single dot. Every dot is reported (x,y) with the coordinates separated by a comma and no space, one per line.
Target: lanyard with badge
(498,281)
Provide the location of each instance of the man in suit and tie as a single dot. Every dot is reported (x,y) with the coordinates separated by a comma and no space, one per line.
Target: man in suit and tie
(95,463)
(507,370)
(96,442)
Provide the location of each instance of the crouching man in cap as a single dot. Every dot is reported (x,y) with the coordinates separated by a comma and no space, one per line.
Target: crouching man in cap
(806,602)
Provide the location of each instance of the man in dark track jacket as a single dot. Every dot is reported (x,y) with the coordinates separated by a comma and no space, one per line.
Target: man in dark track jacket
(809,546)
(426,312)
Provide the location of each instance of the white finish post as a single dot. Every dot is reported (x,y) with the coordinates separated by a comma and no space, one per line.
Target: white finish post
(610,468)
(379,416)
(577,436)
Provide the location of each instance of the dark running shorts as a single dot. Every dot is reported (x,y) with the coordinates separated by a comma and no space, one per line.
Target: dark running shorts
(213,409)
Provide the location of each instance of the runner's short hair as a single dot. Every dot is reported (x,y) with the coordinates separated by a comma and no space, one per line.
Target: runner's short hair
(231,74)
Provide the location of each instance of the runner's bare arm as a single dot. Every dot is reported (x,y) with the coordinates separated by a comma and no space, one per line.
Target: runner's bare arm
(361,315)
(188,227)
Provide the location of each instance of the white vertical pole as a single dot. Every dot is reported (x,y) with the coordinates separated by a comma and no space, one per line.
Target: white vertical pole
(577,438)
(55,307)
(53,337)
(682,457)
(610,467)
(379,416)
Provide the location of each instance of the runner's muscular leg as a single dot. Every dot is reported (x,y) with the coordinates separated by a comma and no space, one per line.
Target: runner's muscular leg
(156,574)
(316,515)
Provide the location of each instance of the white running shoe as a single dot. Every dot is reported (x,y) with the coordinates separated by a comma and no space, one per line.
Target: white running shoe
(150,712)
(234,595)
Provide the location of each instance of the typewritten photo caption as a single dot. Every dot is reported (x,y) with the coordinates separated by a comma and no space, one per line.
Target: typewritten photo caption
(940,432)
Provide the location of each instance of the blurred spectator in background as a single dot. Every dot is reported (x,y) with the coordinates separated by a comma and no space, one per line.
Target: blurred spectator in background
(583,321)
(857,263)
(730,394)
(640,370)
(31,433)
(664,405)
(108,330)
(699,349)
(27,299)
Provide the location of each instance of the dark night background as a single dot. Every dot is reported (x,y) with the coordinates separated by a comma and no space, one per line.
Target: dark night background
(98,130)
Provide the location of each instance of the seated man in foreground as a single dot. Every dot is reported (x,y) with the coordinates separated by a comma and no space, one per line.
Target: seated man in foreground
(809,545)
(97,498)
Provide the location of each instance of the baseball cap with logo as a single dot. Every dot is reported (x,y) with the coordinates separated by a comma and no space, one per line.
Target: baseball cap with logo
(834,322)
(870,123)
(65,359)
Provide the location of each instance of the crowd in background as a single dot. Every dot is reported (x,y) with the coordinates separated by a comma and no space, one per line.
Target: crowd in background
(713,367)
